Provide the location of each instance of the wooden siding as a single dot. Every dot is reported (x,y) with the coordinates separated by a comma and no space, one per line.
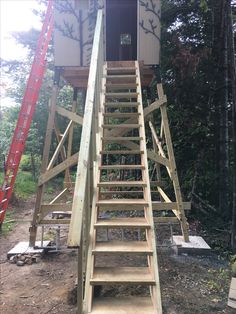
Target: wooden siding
(148,39)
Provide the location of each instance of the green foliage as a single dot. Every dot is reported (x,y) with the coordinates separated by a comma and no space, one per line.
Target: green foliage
(25,164)
(25,185)
(8,223)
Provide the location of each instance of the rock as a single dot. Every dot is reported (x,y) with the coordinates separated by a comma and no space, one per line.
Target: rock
(28,261)
(13,259)
(22,258)
(20,263)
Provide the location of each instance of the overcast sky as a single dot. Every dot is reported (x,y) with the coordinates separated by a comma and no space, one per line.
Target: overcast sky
(15,15)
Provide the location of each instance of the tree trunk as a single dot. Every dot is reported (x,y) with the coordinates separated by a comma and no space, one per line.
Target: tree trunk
(220,55)
(232,68)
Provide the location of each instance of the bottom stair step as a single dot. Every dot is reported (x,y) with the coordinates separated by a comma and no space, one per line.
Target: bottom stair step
(122,275)
(128,305)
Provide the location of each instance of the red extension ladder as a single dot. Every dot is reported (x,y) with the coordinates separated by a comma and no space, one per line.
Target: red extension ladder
(26,112)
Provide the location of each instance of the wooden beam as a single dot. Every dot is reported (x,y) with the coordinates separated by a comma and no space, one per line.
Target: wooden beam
(59,146)
(169,205)
(155,105)
(59,196)
(48,175)
(46,209)
(158,143)
(55,222)
(70,115)
(75,230)
(166,220)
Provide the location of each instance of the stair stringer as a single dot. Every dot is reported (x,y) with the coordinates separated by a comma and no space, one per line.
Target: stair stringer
(155,290)
(88,292)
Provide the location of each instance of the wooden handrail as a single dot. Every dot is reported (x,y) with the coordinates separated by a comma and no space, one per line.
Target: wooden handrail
(92,100)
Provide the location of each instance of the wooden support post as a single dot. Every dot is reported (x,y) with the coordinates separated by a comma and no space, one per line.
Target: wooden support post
(174,175)
(80,286)
(62,153)
(48,139)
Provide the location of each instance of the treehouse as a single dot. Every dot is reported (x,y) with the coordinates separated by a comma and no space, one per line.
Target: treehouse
(131,32)
(108,51)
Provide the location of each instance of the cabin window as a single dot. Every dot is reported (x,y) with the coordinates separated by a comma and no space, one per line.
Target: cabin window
(125,39)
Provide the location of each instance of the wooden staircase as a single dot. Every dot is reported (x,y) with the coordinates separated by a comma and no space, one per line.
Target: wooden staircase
(122,245)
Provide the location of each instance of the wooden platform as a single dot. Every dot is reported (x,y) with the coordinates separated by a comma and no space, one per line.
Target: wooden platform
(78,76)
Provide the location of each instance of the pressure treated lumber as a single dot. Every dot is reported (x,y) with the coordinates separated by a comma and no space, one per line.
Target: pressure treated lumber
(122,184)
(119,139)
(118,167)
(123,305)
(124,275)
(136,222)
(122,247)
(121,152)
(122,104)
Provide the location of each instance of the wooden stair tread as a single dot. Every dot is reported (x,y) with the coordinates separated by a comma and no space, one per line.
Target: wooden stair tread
(113,167)
(123,222)
(118,247)
(121,183)
(122,152)
(122,138)
(121,104)
(121,86)
(128,76)
(122,95)
(122,69)
(123,201)
(128,275)
(123,305)
(121,114)
(121,126)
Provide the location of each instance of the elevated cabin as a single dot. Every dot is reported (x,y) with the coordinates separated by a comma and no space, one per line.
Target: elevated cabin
(131,28)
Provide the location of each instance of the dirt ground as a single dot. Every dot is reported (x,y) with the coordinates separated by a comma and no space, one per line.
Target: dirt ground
(190,285)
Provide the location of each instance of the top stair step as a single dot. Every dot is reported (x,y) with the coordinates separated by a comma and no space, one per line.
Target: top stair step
(123,305)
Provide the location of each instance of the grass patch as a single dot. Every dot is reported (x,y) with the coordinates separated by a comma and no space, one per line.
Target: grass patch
(8,224)
(24,186)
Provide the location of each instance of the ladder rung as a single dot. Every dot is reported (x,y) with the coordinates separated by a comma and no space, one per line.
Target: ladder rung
(126,247)
(8,188)
(119,138)
(122,104)
(121,114)
(122,184)
(124,275)
(122,152)
(136,222)
(4,200)
(121,126)
(114,167)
